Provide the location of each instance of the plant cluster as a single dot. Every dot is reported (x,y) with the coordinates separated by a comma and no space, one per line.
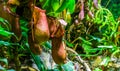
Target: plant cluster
(68,28)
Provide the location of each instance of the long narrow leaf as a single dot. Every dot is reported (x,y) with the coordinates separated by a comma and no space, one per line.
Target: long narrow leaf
(63,6)
(47,2)
(5,33)
(37,60)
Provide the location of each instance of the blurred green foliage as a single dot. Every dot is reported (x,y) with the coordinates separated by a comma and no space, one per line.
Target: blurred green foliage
(113,6)
(93,41)
(54,7)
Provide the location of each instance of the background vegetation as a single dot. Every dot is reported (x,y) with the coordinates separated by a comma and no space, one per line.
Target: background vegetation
(92,36)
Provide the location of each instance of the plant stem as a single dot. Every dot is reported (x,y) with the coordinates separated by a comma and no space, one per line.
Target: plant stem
(107,3)
(16,59)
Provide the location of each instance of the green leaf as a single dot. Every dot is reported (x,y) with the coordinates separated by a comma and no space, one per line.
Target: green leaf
(24,29)
(5,23)
(63,6)
(97,69)
(55,4)
(95,38)
(87,48)
(40,0)
(68,43)
(71,6)
(4,43)
(37,60)
(4,60)
(48,45)
(47,2)
(85,41)
(1,20)
(5,33)
(13,9)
